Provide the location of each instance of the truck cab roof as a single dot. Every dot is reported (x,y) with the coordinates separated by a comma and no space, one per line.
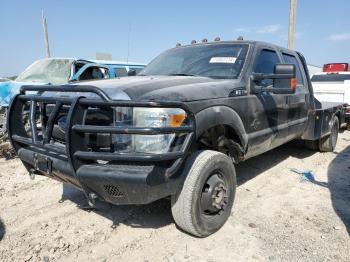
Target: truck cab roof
(248,42)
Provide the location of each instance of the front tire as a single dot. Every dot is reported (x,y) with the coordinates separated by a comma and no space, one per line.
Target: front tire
(203,204)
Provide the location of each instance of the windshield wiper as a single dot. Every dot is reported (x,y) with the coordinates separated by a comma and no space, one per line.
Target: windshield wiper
(181,74)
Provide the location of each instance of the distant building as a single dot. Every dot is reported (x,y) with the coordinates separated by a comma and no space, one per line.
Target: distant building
(103,56)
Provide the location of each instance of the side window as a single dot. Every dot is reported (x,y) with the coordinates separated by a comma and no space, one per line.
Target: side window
(121,72)
(94,72)
(290,59)
(265,64)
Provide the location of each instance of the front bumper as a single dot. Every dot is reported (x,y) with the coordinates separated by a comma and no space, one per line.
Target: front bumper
(118,178)
(116,184)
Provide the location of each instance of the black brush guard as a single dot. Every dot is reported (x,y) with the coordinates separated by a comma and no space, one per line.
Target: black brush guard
(123,178)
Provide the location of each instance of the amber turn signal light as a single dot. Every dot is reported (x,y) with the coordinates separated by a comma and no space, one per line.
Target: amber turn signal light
(176,120)
(293,83)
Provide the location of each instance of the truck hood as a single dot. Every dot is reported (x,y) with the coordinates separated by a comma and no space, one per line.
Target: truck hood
(174,88)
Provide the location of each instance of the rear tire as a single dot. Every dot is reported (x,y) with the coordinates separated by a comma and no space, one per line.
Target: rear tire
(328,143)
(203,204)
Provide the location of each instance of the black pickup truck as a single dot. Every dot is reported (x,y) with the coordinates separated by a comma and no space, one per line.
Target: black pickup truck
(175,130)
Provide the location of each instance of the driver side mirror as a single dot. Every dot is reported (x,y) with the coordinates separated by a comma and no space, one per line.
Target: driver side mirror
(286,84)
(284,80)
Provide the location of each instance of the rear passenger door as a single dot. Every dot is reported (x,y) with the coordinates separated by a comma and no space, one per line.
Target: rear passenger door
(299,101)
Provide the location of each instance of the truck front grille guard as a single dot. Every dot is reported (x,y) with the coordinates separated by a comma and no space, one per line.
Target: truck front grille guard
(75,148)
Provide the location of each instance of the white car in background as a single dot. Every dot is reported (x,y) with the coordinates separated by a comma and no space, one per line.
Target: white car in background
(333,85)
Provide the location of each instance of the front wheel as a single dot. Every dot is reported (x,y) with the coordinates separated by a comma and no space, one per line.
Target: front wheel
(203,204)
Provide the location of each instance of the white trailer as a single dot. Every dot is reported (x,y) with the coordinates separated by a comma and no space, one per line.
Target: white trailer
(333,85)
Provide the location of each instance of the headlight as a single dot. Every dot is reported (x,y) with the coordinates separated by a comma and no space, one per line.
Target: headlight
(156,117)
(148,117)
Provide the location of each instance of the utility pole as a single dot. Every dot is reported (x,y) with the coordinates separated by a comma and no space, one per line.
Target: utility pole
(292,15)
(46,36)
(127,58)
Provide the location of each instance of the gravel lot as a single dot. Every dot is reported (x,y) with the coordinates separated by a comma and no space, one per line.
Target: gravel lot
(275,217)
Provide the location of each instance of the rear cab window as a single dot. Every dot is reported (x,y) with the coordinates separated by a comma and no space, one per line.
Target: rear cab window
(291,59)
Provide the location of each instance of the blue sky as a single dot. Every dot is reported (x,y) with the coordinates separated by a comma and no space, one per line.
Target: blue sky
(82,28)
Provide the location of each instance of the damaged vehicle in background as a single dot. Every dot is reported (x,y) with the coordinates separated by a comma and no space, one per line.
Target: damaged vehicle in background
(58,71)
(176,130)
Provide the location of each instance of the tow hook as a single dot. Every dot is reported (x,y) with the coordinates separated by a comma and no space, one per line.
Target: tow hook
(32,173)
(92,197)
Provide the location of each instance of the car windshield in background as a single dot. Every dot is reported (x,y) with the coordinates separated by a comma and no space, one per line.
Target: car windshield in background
(330,78)
(50,71)
(223,61)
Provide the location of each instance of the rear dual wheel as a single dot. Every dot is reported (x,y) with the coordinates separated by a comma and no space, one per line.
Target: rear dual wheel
(203,204)
(327,143)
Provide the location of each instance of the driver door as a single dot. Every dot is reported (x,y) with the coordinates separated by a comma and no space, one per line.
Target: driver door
(269,118)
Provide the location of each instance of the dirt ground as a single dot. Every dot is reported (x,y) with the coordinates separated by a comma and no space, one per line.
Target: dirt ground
(275,217)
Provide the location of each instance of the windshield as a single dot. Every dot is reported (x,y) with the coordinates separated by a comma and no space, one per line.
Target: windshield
(210,60)
(48,71)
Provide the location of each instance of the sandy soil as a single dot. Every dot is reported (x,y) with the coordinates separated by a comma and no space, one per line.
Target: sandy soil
(275,217)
